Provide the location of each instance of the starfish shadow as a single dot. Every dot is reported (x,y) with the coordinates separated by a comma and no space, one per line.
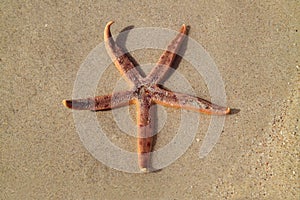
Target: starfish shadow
(234,111)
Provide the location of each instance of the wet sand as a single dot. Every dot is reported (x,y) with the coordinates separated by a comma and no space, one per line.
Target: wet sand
(255,48)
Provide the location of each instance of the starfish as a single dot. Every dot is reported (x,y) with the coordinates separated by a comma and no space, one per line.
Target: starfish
(144,92)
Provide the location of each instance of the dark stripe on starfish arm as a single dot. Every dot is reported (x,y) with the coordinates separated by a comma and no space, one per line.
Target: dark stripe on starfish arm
(104,102)
(189,102)
(165,61)
(120,59)
(145,132)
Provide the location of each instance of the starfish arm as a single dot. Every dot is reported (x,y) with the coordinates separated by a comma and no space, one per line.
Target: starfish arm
(166,59)
(185,101)
(104,102)
(145,132)
(121,61)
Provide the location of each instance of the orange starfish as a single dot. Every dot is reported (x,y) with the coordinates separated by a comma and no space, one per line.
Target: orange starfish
(144,92)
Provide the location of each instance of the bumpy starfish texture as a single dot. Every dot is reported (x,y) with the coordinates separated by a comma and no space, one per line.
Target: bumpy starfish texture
(144,92)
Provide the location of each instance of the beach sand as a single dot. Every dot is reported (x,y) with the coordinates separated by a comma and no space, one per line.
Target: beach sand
(255,47)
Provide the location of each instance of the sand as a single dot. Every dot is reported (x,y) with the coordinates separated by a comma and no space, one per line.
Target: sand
(255,47)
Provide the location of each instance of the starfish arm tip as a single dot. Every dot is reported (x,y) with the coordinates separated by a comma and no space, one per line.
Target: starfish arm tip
(67,103)
(222,111)
(144,170)
(183,29)
(228,110)
(107,33)
(110,23)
